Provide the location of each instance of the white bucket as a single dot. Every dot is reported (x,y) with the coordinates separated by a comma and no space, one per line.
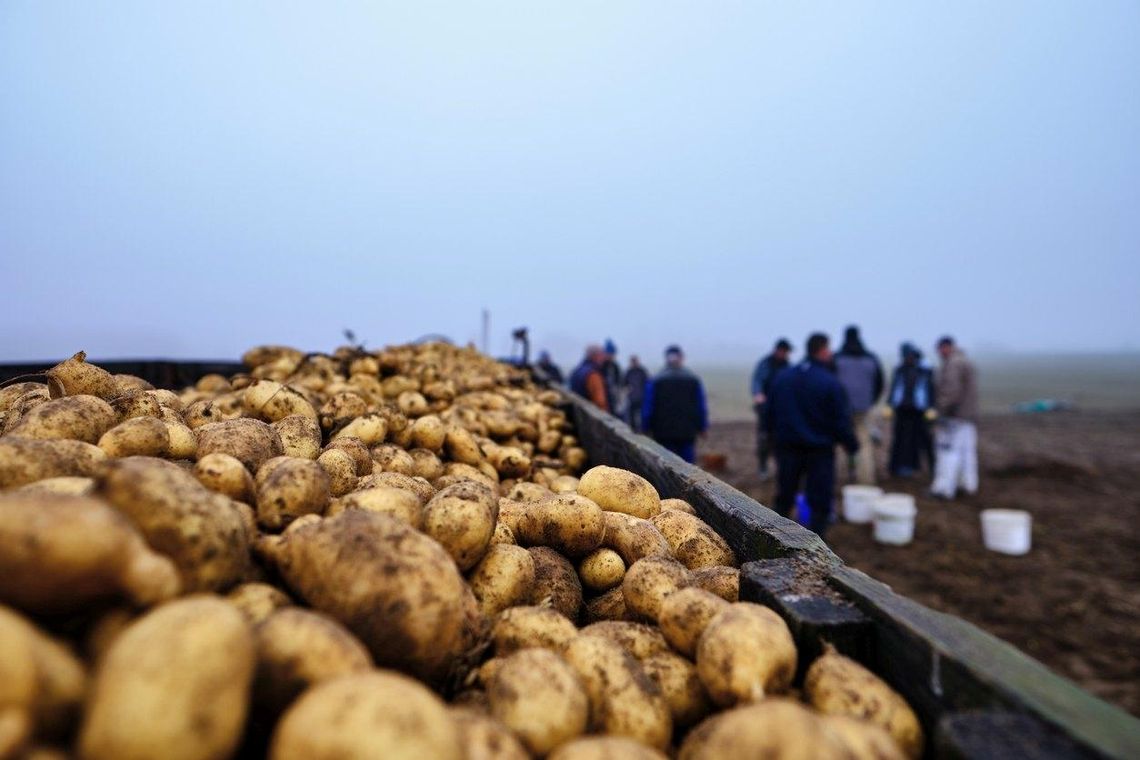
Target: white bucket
(859,503)
(894,518)
(1007,530)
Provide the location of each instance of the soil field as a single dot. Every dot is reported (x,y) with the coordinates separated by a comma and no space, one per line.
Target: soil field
(1074,601)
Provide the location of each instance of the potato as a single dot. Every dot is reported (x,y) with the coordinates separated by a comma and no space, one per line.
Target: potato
(616,490)
(538,697)
(555,582)
(523,627)
(503,535)
(19,684)
(356,449)
(401,504)
(564,484)
(340,469)
(429,432)
(745,654)
(300,436)
(388,457)
(460,446)
(201,531)
(693,543)
(605,748)
(75,377)
(366,714)
(638,639)
(183,442)
(457,471)
(773,728)
(684,615)
(462,519)
(224,474)
(358,563)
(61,554)
(72,486)
(649,581)
(256,357)
(168,399)
(257,601)
(679,505)
(80,418)
(251,442)
(221,409)
(601,569)
(27,460)
(427,465)
(340,409)
(138,436)
(297,648)
(104,630)
(212,383)
(485,738)
(287,488)
(509,461)
(608,606)
(503,578)
(526,492)
(678,680)
(624,701)
(270,401)
(10,393)
(47,686)
(568,523)
(865,741)
(423,490)
(136,403)
(370,429)
(633,538)
(174,684)
(837,685)
(722,581)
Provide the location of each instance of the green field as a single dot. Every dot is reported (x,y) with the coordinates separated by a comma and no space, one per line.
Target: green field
(1091,381)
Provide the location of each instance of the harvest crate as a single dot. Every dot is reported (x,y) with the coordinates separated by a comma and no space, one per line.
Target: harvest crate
(977,696)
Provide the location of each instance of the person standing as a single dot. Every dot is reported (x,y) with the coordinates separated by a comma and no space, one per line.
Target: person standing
(861,375)
(551,370)
(808,415)
(586,379)
(766,371)
(675,410)
(911,401)
(956,436)
(611,374)
(634,381)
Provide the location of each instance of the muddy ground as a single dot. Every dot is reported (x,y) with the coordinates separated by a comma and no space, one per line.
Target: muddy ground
(1074,601)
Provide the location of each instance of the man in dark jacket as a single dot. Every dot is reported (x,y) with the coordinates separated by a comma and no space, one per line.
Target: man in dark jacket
(611,374)
(762,377)
(808,415)
(861,375)
(635,381)
(549,368)
(674,411)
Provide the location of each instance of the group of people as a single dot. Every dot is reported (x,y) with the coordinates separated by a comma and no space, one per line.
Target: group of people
(670,406)
(805,411)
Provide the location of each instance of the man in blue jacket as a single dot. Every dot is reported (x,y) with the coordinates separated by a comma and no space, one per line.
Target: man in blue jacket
(808,415)
(674,411)
(762,378)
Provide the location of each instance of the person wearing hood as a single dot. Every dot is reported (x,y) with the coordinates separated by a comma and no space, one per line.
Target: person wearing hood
(861,375)
(911,402)
(675,410)
(956,436)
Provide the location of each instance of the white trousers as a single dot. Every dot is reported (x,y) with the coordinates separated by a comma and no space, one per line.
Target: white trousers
(956,461)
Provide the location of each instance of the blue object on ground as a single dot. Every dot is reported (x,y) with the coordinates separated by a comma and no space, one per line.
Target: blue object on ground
(803,511)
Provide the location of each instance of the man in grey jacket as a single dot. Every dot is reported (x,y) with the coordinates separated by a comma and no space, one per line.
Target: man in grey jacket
(861,375)
(956,435)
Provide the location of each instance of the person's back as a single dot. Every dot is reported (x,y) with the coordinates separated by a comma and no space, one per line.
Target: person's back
(586,379)
(956,466)
(634,382)
(675,411)
(859,372)
(807,408)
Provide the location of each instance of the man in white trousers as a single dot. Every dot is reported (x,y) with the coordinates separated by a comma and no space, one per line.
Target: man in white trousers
(956,434)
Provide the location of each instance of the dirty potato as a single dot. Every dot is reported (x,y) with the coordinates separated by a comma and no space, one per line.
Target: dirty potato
(523,627)
(745,654)
(251,442)
(648,582)
(462,519)
(539,698)
(503,578)
(287,488)
(555,582)
(601,569)
(617,490)
(693,543)
(684,615)
(224,474)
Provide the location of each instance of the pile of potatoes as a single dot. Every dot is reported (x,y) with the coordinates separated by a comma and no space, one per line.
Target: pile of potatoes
(396,553)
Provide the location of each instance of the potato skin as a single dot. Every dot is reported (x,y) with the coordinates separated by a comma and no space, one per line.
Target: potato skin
(287,488)
(555,579)
(352,717)
(80,418)
(503,578)
(838,685)
(864,740)
(462,519)
(27,460)
(692,542)
(251,442)
(61,554)
(300,436)
(746,653)
(773,727)
(538,696)
(571,524)
(617,490)
(525,627)
(174,684)
(648,582)
(685,614)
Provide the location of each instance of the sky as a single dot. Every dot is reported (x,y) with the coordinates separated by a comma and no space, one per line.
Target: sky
(191,179)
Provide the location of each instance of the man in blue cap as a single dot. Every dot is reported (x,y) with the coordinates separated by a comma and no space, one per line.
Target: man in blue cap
(675,410)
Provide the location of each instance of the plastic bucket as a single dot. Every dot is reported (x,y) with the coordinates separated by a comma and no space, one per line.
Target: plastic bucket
(1007,530)
(894,518)
(859,503)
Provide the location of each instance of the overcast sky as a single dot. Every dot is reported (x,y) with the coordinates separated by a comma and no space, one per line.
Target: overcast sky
(189,179)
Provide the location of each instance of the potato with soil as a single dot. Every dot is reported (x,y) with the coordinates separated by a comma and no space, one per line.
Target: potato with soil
(287,488)
(203,532)
(693,543)
(772,728)
(423,490)
(678,680)
(601,570)
(503,578)
(617,490)
(358,563)
(429,432)
(356,449)
(865,741)
(460,446)
(524,627)
(568,523)
(135,404)
(70,486)
(61,554)
(684,615)
(78,418)
(251,442)
(649,581)
(722,581)
(341,470)
(462,519)
(271,401)
(138,436)
(183,442)
(257,601)
(340,409)
(537,695)
(224,474)
(370,429)
(401,504)
(555,582)
(639,639)
(624,701)
(608,606)
(745,654)
(75,377)
(485,738)
(27,460)
(837,685)
(174,684)
(633,538)
(360,716)
(680,505)
(297,648)
(605,748)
